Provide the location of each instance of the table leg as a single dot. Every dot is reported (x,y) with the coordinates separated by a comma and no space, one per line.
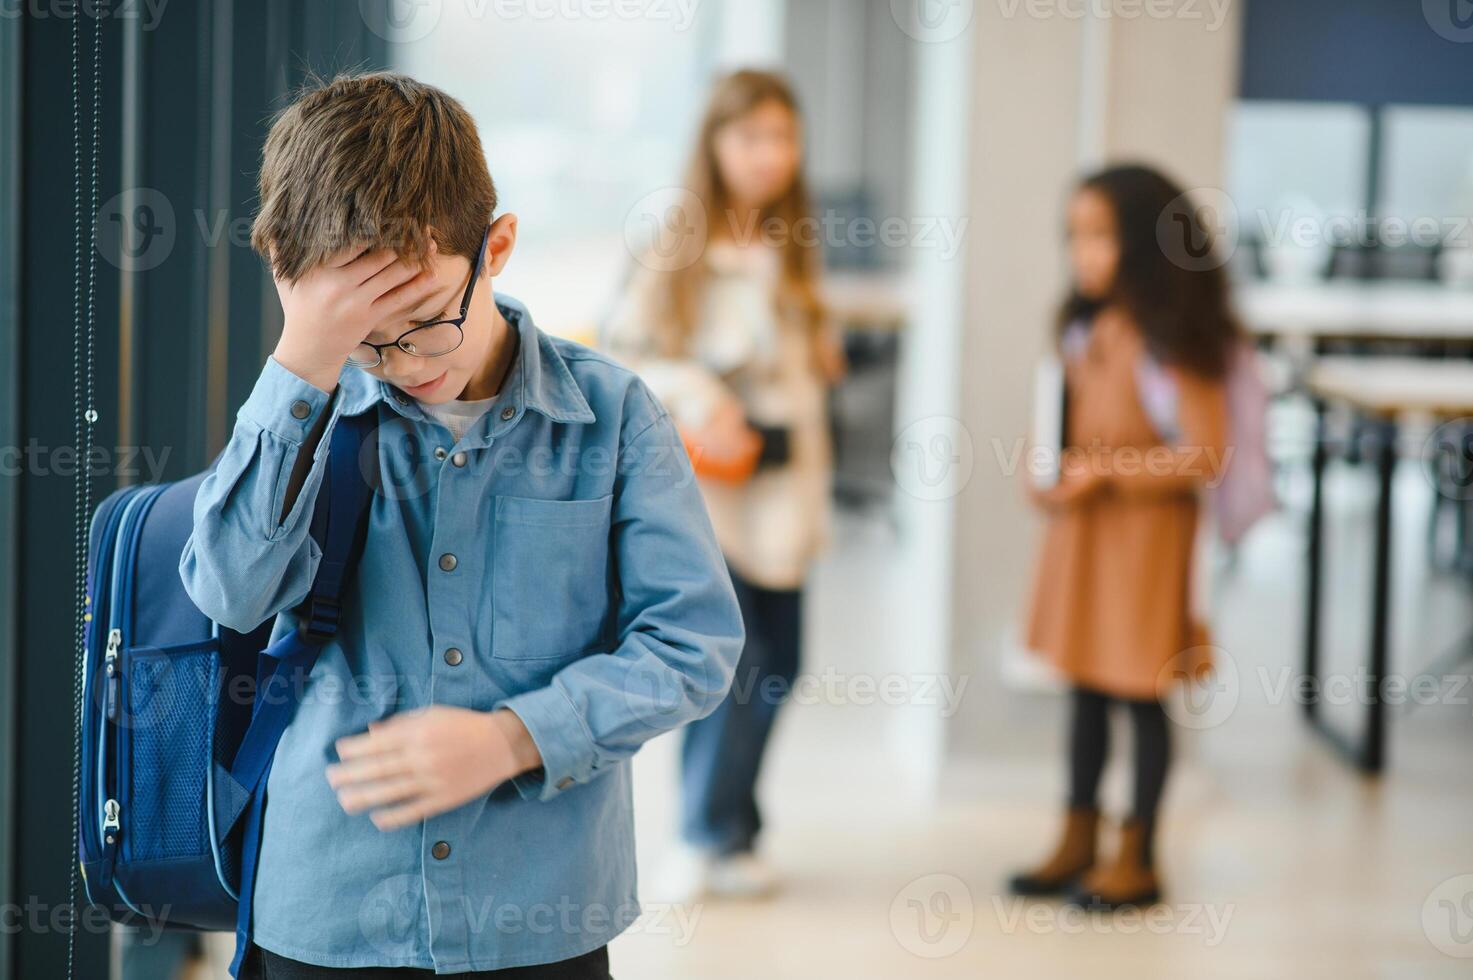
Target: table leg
(1373,748)
(1313,565)
(1367,753)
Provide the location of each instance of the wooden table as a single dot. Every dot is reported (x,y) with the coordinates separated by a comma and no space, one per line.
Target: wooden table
(1384,389)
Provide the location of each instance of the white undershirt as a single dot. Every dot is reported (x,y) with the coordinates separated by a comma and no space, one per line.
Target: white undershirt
(458,416)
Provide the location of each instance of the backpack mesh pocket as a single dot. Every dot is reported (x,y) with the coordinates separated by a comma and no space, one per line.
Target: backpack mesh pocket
(172,700)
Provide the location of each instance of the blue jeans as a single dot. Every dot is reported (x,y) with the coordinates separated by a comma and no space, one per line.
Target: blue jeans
(722,753)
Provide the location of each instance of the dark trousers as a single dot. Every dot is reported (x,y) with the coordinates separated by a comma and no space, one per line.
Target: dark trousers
(262,964)
(722,753)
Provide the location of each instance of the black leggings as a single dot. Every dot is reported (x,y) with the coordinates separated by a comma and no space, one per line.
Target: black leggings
(1089,744)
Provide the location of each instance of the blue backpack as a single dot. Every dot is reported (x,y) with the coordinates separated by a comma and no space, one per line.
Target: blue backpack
(181,716)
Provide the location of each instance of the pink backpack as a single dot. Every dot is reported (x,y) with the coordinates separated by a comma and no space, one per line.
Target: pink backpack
(1246,491)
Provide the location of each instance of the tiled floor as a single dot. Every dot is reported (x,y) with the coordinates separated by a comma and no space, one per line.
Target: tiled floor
(1280,861)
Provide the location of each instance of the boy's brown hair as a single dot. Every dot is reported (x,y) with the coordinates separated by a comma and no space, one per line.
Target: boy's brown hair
(372,158)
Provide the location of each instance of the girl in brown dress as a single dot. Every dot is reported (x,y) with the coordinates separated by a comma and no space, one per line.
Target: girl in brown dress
(1111,606)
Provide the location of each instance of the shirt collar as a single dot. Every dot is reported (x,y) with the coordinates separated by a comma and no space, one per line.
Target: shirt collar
(539,380)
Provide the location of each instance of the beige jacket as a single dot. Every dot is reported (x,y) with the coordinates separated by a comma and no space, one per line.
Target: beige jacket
(773,526)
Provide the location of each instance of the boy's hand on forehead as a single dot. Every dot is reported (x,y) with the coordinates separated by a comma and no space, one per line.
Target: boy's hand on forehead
(335,306)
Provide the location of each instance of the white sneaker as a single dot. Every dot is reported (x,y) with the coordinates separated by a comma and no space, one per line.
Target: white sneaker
(741,876)
(685,876)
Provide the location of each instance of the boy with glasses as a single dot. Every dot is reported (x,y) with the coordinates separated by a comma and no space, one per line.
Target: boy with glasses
(540,591)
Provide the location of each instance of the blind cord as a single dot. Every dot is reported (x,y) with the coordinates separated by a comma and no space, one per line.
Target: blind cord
(84,323)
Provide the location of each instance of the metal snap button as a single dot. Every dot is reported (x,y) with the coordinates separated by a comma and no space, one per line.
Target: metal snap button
(440,452)
(300,409)
(453,657)
(401,398)
(507,413)
(447,562)
(458,459)
(441,850)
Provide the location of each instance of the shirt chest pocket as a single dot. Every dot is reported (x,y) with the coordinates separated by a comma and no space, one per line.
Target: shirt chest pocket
(550,578)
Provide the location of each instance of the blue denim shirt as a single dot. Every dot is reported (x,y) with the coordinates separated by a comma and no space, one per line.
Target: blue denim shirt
(586,593)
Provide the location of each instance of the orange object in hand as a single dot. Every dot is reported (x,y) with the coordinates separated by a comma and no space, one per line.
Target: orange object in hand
(726,468)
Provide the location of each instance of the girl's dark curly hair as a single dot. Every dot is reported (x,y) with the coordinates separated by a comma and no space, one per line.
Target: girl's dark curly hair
(1166,282)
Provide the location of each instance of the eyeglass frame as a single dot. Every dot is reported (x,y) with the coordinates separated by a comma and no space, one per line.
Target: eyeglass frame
(458,322)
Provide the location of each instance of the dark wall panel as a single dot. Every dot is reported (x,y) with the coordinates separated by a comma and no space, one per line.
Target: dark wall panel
(184,316)
(1365,51)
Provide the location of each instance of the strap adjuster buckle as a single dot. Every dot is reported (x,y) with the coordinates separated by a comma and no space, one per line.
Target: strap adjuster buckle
(319,620)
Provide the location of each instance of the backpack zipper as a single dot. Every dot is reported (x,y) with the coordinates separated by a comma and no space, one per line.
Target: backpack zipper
(119,614)
(110,667)
(104,535)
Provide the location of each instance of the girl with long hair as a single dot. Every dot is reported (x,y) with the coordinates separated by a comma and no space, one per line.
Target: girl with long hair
(726,326)
(1111,605)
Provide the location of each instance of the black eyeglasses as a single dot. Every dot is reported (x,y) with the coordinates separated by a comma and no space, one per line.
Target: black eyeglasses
(435,338)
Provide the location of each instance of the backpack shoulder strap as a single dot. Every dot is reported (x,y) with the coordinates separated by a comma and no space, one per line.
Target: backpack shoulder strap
(339,527)
(339,524)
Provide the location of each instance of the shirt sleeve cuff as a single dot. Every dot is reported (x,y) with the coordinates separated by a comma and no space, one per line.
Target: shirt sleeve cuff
(567,750)
(283,404)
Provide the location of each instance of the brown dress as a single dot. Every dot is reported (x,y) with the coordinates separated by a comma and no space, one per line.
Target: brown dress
(1111,605)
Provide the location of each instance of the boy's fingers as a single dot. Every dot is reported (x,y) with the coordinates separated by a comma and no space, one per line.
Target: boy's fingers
(414,295)
(378,794)
(368,265)
(403,815)
(380,739)
(346,255)
(392,276)
(383,766)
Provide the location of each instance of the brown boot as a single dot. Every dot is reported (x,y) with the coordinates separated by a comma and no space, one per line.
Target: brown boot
(1127,881)
(1072,857)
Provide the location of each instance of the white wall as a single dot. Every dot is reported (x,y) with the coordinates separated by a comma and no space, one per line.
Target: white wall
(929,405)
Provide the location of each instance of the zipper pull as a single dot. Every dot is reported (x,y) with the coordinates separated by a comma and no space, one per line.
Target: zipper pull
(110,665)
(112,813)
